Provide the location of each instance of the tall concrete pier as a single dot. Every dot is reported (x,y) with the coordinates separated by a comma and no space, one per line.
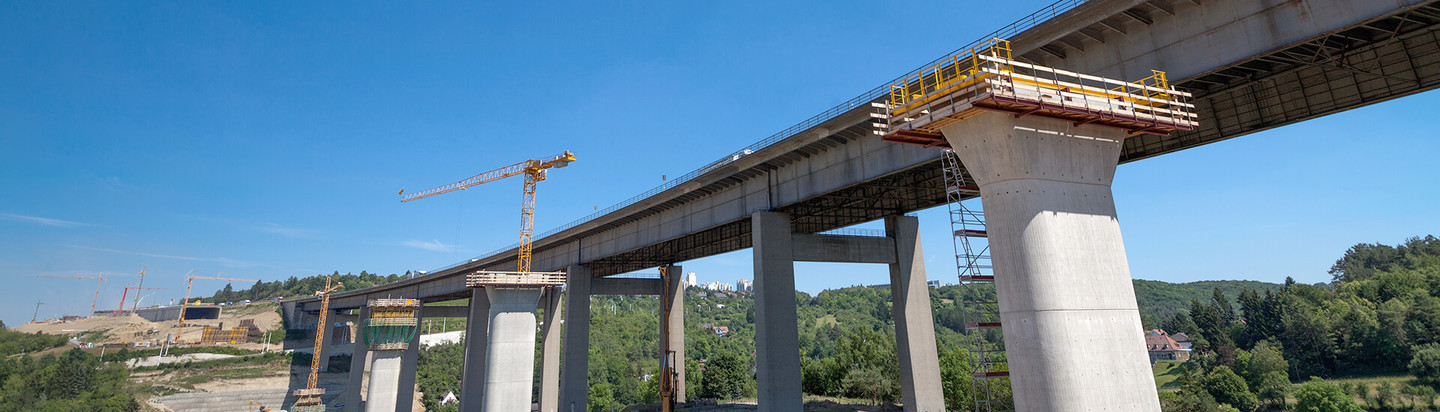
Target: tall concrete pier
(509,368)
(1072,329)
(390,333)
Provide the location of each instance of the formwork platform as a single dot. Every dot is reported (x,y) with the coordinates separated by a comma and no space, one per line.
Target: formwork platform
(986,78)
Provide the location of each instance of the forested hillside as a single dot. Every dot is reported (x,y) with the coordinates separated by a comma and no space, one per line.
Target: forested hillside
(305,286)
(1379,316)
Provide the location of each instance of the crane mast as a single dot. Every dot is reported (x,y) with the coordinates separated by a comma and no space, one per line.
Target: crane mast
(534,171)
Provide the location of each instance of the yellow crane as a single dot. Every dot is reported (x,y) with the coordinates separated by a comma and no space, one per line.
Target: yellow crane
(311,395)
(97,289)
(534,171)
(186,303)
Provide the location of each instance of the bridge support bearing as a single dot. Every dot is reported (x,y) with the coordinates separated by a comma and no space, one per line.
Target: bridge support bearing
(574,372)
(477,332)
(550,351)
(914,322)
(1072,329)
(777,337)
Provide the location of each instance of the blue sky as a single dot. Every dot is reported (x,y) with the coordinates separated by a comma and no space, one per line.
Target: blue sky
(263,141)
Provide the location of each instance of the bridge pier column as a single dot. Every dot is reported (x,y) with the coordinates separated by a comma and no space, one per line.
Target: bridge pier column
(327,330)
(384,389)
(574,371)
(510,354)
(405,398)
(1067,307)
(777,337)
(358,360)
(477,335)
(673,326)
(550,352)
(914,322)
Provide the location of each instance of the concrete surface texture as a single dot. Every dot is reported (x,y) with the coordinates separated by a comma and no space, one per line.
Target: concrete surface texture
(510,354)
(550,352)
(472,376)
(675,323)
(574,374)
(1072,329)
(914,322)
(777,337)
(360,357)
(384,389)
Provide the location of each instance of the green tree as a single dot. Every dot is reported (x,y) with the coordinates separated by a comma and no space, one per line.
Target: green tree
(869,383)
(600,397)
(1425,364)
(1229,388)
(1317,395)
(726,377)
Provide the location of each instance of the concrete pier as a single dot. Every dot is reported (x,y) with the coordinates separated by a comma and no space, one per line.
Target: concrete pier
(914,322)
(777,337)
(1072,330)
(384,387)
(510,353)
(674,325)
(409,363)
(477,331)
(574,371)
(550,351)
(358,360)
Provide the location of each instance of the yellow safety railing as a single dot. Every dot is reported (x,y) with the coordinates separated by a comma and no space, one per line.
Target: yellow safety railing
(961,70)
(1156,80)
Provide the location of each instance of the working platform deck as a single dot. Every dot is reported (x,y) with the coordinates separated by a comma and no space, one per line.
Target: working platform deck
(987,79)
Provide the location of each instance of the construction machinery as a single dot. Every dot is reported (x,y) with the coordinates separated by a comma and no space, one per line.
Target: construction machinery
(136,306)
(37,311)
(308,399)
(190,282)
(534,171)
(101,282)
(121,308)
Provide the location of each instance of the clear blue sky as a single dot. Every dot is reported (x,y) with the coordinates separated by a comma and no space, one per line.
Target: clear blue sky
(268,140)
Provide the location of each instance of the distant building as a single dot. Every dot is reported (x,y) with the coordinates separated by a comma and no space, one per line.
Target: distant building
(690,280)
(935,283)
(722,330)
(745,286)
(1183,340)
(1162,347)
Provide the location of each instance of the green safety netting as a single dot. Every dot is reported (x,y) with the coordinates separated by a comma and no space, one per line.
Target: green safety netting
(381,334)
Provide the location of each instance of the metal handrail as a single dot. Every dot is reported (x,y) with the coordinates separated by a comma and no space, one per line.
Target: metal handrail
(875,94)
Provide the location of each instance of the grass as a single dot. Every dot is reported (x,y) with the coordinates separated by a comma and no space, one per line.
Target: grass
(1167,374)
(189,382)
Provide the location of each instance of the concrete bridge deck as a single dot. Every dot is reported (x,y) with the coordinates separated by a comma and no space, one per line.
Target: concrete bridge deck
(1252,65)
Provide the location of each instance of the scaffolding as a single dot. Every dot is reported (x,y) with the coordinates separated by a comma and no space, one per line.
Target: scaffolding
(392,324)
(979,305)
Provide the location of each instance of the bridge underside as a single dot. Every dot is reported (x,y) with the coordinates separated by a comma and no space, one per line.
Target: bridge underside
(1382,59)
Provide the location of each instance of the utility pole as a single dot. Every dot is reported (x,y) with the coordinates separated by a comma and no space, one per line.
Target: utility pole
(37,312)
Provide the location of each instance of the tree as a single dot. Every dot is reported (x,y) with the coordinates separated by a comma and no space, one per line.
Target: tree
(599,397)
(1317,395)
(1229,388)
(869,383)
(955,379)
(725,377)
(1425,365)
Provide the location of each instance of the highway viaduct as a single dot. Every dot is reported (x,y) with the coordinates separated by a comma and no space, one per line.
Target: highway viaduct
(1252,65)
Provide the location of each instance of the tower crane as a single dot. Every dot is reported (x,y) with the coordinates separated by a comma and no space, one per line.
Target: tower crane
(137,289)
(136,306)
(534,171)
(191,282)
(97,288)
(311,395)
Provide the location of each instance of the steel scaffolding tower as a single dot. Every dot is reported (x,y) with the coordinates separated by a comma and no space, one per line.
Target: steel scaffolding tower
(979,304)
